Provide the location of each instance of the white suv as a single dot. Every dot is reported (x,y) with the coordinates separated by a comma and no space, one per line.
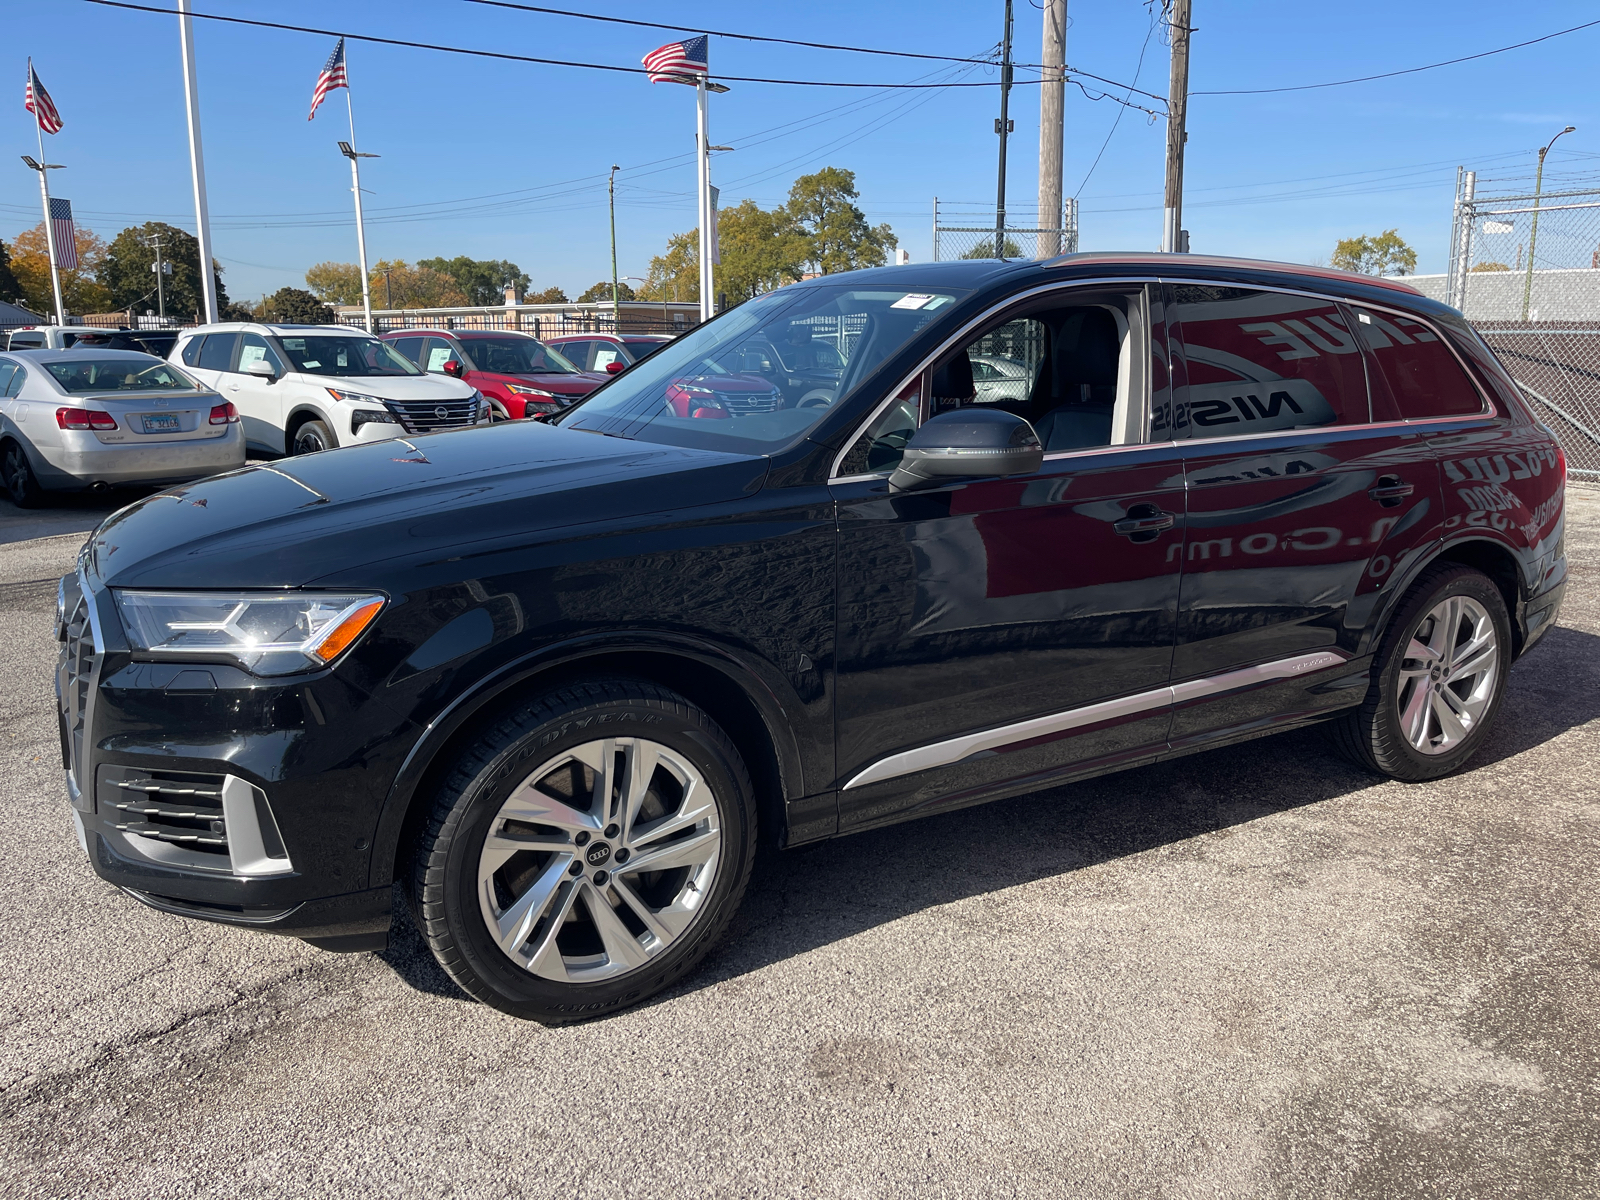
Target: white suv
(303,388)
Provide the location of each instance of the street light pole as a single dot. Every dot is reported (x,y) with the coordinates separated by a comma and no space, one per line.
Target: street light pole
(1533,234)
(161,283)
(611,190)
(197,164)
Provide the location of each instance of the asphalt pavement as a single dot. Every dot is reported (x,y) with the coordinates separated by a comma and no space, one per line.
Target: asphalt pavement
(1254,973)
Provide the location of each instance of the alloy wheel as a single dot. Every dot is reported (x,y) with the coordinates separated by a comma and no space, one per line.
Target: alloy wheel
(1447,675)
(600,860)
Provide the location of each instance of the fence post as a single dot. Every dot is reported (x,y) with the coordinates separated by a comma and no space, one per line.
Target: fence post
(1466,215)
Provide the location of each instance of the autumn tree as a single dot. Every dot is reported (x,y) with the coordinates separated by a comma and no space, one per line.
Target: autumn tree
(481,281)
(10,289)
(1383,254)
(600,293)
(81,289)
(1489,266)
(128,276)
(336,282)
(550,295)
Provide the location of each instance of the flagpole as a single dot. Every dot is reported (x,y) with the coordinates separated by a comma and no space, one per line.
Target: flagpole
(355,183)
(197,164)
(44,194)
(706,284)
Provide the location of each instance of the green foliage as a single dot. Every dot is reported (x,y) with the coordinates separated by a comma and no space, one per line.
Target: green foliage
(1489,266)
(335,282)
(480,281)
(10,289)
(127,274)
(1384,254)
(551,295)
(295,306)
(835,232)
(985,249)
(236,312)
(600,293)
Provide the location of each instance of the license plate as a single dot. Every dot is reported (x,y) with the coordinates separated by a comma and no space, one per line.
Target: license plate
(161,423)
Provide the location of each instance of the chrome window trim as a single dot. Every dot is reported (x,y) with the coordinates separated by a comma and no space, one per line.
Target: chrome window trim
(894,392)
(1308,430)
(953,750)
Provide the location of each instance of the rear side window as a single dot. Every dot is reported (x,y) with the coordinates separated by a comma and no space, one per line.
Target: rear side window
(1260,362)
(14,387)
(217,353)
(6,370)
(577,353)
(191,351)
(1415,375)
(438,353)
(410,347)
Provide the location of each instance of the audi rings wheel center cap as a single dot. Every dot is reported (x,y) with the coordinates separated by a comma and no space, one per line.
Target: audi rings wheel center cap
(598,854)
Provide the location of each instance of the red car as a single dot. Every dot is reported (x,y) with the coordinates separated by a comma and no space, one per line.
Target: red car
(608,352)
(519,375)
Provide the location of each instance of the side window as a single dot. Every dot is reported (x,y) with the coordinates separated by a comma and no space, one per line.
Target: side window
(217,353)
(411,347)
(18,378)
(6,371)
(1264,361)
(1416,376)
(880,445)
(253,348)
(605,354)
(578,352)
(437,352)
(191,351)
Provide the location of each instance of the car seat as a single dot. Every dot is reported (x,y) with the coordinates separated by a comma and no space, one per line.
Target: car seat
(952,384)
(1082,379)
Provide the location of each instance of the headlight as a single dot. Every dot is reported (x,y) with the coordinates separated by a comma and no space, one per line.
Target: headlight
(356,397)
(520,390)
(369,416)
(266,633)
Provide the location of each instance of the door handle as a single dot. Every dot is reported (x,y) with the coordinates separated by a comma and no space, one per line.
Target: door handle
(1144,521)
(1390,490)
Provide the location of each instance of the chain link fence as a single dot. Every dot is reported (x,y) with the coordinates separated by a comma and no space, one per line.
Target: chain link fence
(967,231)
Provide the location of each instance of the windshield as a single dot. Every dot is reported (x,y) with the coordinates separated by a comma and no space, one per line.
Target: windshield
(119,375)
(728,386)
(516,356)
(342,354)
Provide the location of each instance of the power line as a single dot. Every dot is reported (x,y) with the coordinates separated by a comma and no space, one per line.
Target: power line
(1449,62)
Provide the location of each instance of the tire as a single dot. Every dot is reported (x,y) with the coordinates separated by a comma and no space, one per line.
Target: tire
(22,486)
(312,438)
(542,918)
(1433,665)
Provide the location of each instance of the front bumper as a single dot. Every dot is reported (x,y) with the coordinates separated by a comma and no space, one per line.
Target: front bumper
(82,460)
(259,813)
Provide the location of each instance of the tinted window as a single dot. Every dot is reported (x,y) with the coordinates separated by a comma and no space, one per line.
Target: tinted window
(27,341)
(217,353)
(577,353)
(640,349)
(517,356)
(191,351)
(143,374)
(253,348)
(1416,375)
(5,375)
(1264,361)
(15,386)
(411,347)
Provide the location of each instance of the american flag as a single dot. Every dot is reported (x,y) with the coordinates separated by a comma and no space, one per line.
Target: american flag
(37,101)
(66,237)
(679,62)
(332,77)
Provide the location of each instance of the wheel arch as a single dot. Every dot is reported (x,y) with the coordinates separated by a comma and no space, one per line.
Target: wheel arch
(1493,558)
(298,416)
(729,691)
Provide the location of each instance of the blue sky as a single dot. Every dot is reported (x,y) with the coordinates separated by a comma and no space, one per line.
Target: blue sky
(507,160)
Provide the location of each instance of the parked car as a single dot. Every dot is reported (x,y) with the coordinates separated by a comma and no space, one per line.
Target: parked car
(63,337)
(518,374)
(305,388)
(996,377)
(77,419)
(555,683)
(608,352)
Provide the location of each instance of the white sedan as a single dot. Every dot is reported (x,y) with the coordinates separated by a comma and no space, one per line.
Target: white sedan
(77,419)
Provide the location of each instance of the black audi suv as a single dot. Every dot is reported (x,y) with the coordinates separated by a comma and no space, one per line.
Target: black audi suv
(558,680)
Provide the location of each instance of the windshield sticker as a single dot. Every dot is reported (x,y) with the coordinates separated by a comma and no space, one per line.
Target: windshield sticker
(294,343)
(914,300)
(311,364)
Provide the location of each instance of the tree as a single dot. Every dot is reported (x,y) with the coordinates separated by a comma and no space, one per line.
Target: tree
(985,249)
(399,285)
(482,282)
(296,306)
(551,295)
(601,293)
(675,275)
(237,312)
(1385,254)
(81,289)
(835,232)
(127,272)
(762,249)
(1489,266)
(10,289)
(336,282)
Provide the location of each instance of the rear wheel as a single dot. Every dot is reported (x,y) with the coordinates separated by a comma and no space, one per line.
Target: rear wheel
(22,486)
(313,437)
(586,853)
(1439,680)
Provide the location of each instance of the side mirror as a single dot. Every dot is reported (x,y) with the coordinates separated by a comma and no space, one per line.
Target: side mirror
(453,369)
(968,443)
(615,367)
(262,369)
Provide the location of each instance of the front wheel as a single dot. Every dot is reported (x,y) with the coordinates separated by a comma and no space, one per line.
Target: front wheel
(1438,682)
(312,438)
(22,486)
(586,853)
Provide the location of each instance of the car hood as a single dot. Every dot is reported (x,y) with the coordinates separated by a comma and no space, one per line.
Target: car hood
(392,514)
(392,387)
(562,383)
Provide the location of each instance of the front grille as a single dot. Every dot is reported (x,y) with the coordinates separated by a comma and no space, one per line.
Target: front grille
(168,806)
(74,678)
(425,416)
(740,403)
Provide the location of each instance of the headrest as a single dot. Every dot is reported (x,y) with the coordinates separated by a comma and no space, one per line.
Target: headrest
(1088,348)
(953,381)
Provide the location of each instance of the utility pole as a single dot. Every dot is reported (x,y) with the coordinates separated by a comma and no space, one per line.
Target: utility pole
(616,300)
(1003,126)
(1052,125)
(1174,239)
(41,166)
(1533,234)
(161,283)
(197,165)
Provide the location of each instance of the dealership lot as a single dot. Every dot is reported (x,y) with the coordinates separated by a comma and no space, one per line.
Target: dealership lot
(1258,972)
